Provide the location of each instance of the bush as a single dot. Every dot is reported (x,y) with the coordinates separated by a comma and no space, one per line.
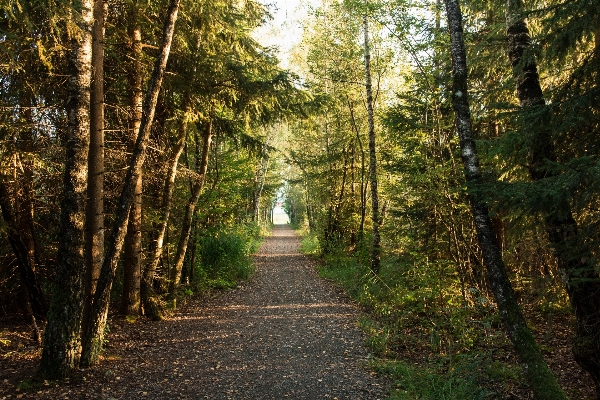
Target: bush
(225,256)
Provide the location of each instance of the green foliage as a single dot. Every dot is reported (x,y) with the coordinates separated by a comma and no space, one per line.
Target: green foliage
(310,244)
(459,382)
(419,306)
(225,256)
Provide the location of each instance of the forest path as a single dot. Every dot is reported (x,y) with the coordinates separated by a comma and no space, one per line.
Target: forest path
(285,334)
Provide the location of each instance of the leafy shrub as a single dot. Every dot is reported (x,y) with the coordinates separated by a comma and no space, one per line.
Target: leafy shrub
(225,256)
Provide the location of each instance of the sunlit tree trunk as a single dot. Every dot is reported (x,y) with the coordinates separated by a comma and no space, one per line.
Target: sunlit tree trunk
(149,300)
(94,239)
(190,209)
(62,336)
(132,251)
(376,254)
(93,338)
(581,280)
(538,375)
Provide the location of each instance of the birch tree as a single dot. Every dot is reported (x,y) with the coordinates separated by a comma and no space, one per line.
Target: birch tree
(538,375)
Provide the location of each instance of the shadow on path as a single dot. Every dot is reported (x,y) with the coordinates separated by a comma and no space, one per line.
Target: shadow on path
(284,334)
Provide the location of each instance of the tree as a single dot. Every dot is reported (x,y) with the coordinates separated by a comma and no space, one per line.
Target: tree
(376,255)
(538,375)
(581,279)
(62,335)
(93,337)
(131,301)
(95,198)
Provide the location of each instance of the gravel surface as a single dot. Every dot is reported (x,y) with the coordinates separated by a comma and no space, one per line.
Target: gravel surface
(285,334)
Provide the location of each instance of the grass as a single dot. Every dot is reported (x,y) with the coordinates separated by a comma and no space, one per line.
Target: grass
(415,382)
(429,336)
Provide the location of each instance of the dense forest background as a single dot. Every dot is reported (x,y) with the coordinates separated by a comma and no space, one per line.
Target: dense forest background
(144,146)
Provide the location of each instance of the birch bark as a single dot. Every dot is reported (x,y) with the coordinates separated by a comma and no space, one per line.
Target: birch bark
(376,253)
(538,375)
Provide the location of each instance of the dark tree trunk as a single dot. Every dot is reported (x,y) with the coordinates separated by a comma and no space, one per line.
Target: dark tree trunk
(363,186)
(538,375)
(376,254)
(190,209)
(62,336)
(29,281)
(94,240)
(581,280)
(93,338)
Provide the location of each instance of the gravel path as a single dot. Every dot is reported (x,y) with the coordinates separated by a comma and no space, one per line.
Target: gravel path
(285,334)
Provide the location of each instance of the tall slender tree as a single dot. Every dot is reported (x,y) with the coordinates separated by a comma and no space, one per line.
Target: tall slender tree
(376,252)
(191,207)
(95,199)
(538,375)
(131,301)
(92,339)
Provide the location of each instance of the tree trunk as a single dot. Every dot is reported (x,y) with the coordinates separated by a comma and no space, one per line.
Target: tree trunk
(93,338)
(151,305)
(363,186)
(62,336)
(261,175)
(538,375)
(190,209)
(29,281)
(376,254)
(131,302)
(309,214)
(581,280)
(94,239)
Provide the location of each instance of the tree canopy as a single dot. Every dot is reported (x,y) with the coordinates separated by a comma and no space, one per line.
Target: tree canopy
(368,139)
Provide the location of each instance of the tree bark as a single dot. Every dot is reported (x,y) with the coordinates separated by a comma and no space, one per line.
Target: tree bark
(190,209)
(131,298)
(35,295)
(62,336)
(94,239)
(376,253)
(93,338)
(538,375)
(363,186)
(151,307)
(260,178)
(581,280)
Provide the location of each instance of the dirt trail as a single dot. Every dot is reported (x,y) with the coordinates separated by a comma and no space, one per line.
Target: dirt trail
(284,334)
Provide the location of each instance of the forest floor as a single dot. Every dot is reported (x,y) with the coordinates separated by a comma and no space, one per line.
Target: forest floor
(284,334)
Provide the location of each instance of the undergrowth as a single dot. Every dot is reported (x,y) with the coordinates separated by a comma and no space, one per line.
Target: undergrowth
(434,337)
(224,257)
